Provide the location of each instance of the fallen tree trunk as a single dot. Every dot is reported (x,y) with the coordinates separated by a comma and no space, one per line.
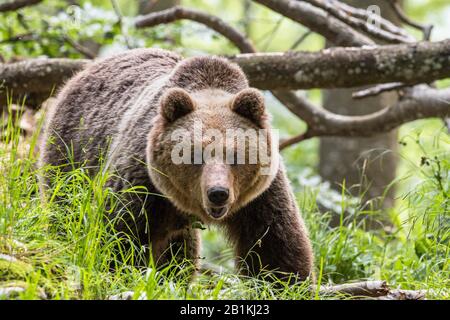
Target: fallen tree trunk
(411,64)
(332,68)
(35,79)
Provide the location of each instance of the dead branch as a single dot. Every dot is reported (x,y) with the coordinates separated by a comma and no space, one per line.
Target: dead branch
(334,9)
(410,64)
(80,48)
(371,289)
(426,29)
(292,140)
(365,15)
(318,21)
(361,289)
(17,4)
(420,102)
(35,79)
(404,295)
(374,91)
(331,68)
(213,22)
(301,39)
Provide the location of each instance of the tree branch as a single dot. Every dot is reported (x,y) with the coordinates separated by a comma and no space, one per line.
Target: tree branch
(334,8)
(426,29)
(213,22)
(415,63)
(371,289)
(374,91)
(17,4)
(362,289)
(366,15)
(35,79)
(331,68)
(420,102)
(318,21)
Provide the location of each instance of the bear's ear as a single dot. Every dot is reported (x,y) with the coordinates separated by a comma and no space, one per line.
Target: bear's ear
(249,103)
(175,103)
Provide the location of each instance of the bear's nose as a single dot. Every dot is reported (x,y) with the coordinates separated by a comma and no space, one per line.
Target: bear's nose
(218,195)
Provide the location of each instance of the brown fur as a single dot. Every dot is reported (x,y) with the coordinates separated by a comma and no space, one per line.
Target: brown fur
(127,106)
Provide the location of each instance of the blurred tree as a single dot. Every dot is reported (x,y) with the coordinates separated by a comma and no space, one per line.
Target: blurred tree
(368,165)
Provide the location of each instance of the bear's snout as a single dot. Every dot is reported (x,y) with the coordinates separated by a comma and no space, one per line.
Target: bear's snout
(218,195)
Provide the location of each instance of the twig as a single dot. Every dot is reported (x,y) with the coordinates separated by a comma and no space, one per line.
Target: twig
(426,29)
(272,33)
(292,140)
(17,4)
(213,22)
(301,39)
(80,48)
(374,91)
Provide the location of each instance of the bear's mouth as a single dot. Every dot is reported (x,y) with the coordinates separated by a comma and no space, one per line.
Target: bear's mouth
(217,212)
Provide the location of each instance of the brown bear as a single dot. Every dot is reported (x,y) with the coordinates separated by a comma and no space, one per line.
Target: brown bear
(127,107)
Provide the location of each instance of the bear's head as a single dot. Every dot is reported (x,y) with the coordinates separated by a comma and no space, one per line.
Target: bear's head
(211,151)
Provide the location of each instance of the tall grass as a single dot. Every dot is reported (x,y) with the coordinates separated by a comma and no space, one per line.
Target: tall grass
(63,248)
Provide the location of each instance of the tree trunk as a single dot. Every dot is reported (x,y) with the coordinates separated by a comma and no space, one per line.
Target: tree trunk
(367,165)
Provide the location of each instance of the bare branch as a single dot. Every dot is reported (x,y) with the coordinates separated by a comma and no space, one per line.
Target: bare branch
(421,102)
(80,48)
(213,22)
(371,289)
(362,289)
(293,140)
(333,8)
(410,64)
(370,16)
(318,21)
(301,39)
(35,79)
(332,68)
(426,29)
(374,91)
(17,4)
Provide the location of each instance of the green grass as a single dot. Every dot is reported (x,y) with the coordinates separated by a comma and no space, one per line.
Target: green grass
(63,249)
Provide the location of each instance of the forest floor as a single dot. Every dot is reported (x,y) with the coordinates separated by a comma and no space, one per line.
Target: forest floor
(64,250)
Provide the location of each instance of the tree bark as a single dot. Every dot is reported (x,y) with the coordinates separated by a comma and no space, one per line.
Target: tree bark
(367,165)
(347,67)
(333,68)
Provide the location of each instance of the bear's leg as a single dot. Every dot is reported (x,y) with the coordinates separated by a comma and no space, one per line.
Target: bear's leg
(173,240)
(269,234)
(180,251)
